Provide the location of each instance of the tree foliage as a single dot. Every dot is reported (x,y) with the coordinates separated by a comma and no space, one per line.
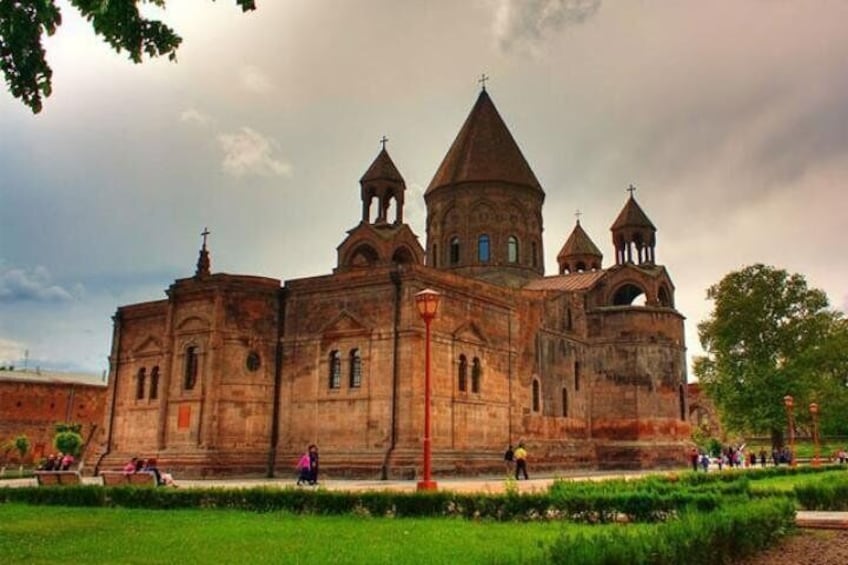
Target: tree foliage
(770,335)
(68,442)
(23,24)
(22,445)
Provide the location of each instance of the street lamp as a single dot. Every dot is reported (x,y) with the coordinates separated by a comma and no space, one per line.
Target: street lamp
(814,411)
(790,402)
(427,302)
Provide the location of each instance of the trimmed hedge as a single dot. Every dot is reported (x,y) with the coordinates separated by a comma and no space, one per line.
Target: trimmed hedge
(830,494)
(590,505)
(723,536)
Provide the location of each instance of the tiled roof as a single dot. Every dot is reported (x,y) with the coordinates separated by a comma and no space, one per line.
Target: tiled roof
(484,150)
(570,282)
(632,216)
(383,168)
(579,243)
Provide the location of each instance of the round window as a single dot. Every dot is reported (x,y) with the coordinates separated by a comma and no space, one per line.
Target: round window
(253,361)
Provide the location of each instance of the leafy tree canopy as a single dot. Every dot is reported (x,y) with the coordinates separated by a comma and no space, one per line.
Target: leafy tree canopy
(770,335)
(23,24)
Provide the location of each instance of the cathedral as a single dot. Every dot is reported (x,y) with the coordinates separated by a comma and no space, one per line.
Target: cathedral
(236,374)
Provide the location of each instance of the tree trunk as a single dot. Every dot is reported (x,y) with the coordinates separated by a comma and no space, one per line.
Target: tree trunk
(777,439)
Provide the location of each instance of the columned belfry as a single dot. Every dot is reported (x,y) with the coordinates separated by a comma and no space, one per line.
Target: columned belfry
(633,234)
(379,240)
(579,253)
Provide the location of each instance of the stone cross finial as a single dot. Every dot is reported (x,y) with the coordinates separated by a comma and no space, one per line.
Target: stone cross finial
(383,141)
(631,189)
(482,81)
(577,214)
(205,233)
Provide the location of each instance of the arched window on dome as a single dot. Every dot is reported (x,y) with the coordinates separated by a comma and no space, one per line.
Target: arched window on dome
(483,248)
(453,251)
(512,249)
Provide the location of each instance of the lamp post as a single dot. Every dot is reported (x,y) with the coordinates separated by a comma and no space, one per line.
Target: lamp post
(427,302)
(789,402)
(814,411)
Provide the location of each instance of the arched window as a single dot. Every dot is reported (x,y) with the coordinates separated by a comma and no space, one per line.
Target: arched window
(139,384)
(463,373)
(335,369)
(476,373)
(454,251)
(564,402)
(629,295)
(512,249)
(191,367)
(577,375)
(537,400)
(355,369)
(483,248)
(154,383)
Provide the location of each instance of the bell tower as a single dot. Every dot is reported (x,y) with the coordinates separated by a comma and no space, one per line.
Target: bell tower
(633,234)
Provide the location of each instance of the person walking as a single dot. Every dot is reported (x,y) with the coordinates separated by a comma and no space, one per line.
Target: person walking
(303,471)
(521,462)
(509,459)
(313,464)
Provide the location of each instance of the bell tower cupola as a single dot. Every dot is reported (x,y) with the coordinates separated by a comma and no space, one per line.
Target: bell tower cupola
(633,234)
(579,252)
(382,182)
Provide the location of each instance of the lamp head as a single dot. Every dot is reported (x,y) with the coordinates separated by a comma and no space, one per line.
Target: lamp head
(427,302)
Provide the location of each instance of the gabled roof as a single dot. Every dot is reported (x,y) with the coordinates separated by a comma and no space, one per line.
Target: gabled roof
(579,243)
(383,168)
(632,216)
(572,282)
(484,150)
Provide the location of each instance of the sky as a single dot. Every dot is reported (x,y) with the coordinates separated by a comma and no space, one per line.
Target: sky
(730,117)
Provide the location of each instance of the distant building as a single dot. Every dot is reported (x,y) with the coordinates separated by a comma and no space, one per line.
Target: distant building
(237,374)
(33,401)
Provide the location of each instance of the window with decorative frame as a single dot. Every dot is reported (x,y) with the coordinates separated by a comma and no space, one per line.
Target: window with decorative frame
(335,365)
(191,368)
(463,373)
(154,383)
(139,383)
(355,369)
(476,374)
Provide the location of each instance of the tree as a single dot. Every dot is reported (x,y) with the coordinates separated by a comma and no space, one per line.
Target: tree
(770,335)
(23,24)
(22,445)
(68,438)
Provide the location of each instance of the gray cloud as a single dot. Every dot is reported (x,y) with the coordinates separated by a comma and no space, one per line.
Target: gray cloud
(248,152)
(522,22)
(19,285)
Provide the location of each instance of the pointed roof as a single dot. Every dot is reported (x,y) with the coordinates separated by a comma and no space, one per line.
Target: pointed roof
(383,168)
(484,150)
(579,243)
(632,216)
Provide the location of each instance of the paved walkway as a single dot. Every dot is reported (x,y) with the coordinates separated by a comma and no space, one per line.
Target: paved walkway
(804,518)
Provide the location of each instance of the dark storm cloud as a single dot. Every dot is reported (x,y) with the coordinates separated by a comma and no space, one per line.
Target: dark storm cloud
(33,285)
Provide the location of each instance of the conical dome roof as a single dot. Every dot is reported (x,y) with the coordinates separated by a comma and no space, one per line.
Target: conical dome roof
(484,150)
(632,216)
(579,243)
(383,168)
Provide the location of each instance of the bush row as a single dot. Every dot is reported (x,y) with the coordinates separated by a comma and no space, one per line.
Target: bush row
(722,536)
(589,507)
(830,494)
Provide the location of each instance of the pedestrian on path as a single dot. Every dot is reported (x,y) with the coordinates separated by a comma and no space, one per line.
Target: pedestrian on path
(509,459)
(521,462)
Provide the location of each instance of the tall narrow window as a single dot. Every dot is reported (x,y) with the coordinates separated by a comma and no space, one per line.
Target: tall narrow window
(454,251)
(577,375)
(355,368)
(139,384)
(476,372)
(537,401)
(335,369)
(435,261)
(463,373)
(682,394)
(483,248)
(154,383)
(512,249)
(190,377)
(564,402)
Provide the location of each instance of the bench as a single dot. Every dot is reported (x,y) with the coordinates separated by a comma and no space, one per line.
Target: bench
(119,478)
(57,478)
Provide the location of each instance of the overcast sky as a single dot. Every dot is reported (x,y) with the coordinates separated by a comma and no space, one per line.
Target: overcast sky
(730,117)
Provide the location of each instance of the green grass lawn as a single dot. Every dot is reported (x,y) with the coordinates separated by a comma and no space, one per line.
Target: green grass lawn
(49,534)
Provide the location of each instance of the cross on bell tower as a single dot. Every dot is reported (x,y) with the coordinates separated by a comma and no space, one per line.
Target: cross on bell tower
(203,262)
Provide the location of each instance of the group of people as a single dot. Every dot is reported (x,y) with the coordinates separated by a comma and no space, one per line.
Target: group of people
(516,461)
(139,465)
(736,457)
(307,467)
(60,462)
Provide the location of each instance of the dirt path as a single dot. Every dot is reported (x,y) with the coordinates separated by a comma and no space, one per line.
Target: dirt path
(807,547)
